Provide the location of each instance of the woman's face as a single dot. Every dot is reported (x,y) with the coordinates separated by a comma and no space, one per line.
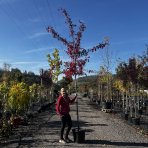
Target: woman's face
(63,93)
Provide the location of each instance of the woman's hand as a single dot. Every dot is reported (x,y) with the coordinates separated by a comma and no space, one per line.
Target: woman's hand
(76,95)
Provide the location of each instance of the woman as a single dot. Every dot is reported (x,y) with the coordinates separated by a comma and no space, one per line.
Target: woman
(63,109)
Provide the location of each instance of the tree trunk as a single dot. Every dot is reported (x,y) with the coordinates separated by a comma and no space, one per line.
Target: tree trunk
(123,102)
(126,111)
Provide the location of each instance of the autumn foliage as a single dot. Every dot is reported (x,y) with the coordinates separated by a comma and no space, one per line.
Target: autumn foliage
(78,56)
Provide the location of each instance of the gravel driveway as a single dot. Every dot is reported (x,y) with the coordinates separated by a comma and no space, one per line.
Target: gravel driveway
(102,130)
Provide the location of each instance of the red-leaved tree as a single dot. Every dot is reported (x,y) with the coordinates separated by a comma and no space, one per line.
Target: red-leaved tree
(78,56)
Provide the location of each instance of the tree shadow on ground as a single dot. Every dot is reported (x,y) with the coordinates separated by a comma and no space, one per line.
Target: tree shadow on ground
(57,124)
(97,125)
(17,141)
(83,111)
(87,124)
(105,142)
(90,116)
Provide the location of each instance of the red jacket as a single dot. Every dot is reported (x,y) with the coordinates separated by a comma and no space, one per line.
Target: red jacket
(63,105)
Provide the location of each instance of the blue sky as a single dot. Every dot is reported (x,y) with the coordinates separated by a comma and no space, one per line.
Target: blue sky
(24,41)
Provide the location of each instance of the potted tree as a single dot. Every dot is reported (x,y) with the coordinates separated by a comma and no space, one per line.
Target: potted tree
(105,80)
(18,101)
(118,85)
(78,58)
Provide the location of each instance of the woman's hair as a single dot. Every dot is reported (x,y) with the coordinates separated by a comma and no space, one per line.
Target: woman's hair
(62,89)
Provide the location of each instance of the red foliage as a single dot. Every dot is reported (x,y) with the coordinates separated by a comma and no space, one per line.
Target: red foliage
(79,56)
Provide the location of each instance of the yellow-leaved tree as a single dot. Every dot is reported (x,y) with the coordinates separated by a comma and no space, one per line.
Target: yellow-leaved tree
(19,97)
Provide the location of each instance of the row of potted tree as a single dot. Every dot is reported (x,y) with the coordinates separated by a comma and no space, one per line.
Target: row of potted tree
(15,101)
(127,89)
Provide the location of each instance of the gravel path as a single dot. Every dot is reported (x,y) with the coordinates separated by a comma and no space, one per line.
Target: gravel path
(102,130)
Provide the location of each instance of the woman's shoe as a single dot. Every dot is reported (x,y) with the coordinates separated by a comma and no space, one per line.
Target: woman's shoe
(62,141)
(68,140)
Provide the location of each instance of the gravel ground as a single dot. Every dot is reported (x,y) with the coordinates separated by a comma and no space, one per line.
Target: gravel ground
(102,130)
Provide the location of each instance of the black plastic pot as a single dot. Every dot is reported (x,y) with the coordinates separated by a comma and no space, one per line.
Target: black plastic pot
(78,135)
(140,111)
(136,121)
(130,121)
(106,105)
(98,102)
(125,116)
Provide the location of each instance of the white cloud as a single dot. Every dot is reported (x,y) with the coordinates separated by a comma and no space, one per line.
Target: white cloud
(40,65)
(37,35)
(34,20)
(37,50)
(4,60)
(33,66)
(43,49)
(25,62)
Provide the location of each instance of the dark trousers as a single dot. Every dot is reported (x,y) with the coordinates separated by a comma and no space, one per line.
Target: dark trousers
(65,120)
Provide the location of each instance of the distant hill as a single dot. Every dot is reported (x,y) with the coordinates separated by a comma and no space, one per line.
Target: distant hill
(87,79)
(88,82)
